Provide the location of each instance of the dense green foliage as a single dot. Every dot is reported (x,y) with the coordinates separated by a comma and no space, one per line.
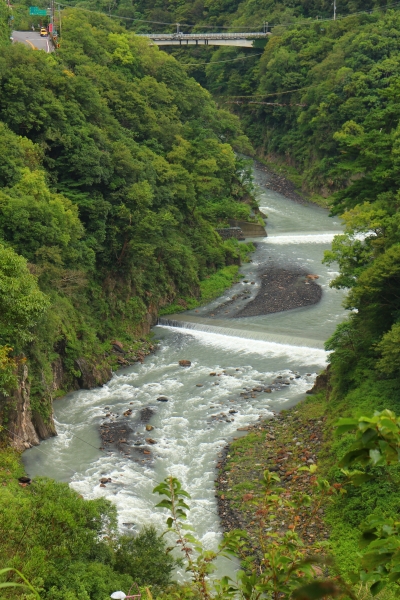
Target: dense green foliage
(114,154)
(67,547)
(148,15)
(115,169)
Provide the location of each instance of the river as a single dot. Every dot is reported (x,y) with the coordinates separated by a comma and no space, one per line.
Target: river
(243,352)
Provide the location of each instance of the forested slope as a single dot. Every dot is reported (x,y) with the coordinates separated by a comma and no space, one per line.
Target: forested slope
(115,167)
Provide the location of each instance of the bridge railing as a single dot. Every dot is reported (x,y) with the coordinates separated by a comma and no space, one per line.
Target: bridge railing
(203,36)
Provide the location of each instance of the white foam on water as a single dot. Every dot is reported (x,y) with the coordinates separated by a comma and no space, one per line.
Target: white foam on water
(302,355)
(309,238)
(188,438)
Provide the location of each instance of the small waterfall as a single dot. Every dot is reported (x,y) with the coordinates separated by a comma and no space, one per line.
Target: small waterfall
(244,330)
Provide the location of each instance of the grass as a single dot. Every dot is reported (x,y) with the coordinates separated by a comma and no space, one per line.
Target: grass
(248,457)
(211,287)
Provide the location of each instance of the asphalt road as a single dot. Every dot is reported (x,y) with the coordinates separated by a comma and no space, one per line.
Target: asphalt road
(33,40)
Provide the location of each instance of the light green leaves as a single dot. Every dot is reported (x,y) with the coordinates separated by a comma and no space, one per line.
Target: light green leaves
(22,304)
(10,584)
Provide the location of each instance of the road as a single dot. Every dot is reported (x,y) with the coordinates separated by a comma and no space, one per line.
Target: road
(33,40)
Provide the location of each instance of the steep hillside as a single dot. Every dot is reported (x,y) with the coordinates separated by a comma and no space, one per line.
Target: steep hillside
(115,168)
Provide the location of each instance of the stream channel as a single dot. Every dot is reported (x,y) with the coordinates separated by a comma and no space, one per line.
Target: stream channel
(245,353)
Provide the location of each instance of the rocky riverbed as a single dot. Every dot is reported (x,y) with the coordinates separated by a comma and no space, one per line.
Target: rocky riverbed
(279,183)
(279,289)
(283,445)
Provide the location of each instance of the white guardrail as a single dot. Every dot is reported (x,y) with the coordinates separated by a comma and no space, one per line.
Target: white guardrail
(203,36)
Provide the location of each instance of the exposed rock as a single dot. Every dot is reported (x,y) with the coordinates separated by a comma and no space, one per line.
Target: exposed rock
(162,399)
(118,345)
(25,480)
(92,375)
(146,414)
(149,427)
(151,441)
(185,363)
(16,414)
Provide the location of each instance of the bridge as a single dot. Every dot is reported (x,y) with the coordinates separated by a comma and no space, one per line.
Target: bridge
(244,40)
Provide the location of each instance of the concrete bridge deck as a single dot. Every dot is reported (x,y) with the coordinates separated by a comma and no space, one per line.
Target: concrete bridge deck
(208,39)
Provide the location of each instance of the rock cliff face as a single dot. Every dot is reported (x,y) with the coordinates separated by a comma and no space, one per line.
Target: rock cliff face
(16,414)
(24,426)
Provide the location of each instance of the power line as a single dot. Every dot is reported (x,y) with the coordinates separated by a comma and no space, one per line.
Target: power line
(341,17)
(219,61)
(293,24)
(148,21)
(271,93)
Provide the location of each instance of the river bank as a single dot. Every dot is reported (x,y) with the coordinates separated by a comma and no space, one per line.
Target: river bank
(283,444)
(202,412)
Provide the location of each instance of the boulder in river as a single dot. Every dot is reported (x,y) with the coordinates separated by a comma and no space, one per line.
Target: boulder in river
(162,399)
(151,441)
(149,427)
(105,480)
(185,363)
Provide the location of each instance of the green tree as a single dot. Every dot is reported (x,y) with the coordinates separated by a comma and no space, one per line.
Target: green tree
(22,304)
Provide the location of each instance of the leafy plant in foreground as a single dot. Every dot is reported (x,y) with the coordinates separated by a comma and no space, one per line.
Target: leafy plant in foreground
(286,566)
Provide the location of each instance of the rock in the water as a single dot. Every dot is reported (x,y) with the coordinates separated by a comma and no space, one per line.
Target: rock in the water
(268,390)
(213,374)
(162,399)
(149,427)
(151,441)
(185,363)
(104,480)
(102,485)
(199,385)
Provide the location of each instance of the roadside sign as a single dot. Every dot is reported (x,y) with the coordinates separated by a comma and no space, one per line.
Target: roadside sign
(37,12)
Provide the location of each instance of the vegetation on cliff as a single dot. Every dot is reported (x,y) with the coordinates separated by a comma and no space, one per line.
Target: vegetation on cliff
(68,547)
(115,169)
(111,153)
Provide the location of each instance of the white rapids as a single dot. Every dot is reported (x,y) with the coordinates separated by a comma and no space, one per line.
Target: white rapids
(189,429)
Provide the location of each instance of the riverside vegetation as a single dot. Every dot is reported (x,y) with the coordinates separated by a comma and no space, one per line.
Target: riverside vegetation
(96,154)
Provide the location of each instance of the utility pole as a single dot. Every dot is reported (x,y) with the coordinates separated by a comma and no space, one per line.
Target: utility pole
(177,28)
(51,28)
(265,26)
(334,10)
